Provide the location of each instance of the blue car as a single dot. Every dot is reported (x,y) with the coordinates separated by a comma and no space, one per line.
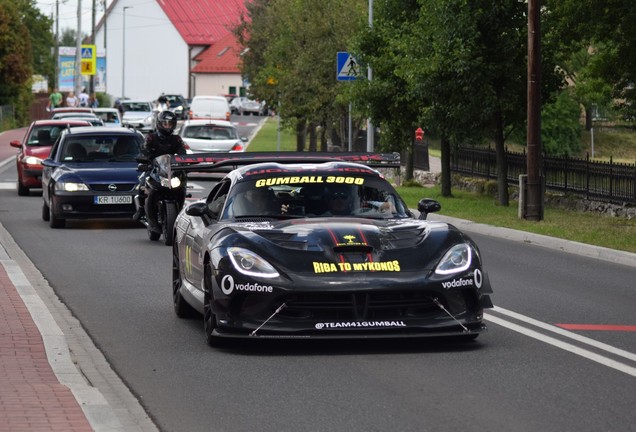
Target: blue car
(91,173)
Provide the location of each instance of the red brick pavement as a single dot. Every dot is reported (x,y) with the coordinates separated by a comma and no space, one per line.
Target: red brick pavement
(31,397)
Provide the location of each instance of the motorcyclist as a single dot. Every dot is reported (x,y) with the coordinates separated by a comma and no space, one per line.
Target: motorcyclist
(159,142)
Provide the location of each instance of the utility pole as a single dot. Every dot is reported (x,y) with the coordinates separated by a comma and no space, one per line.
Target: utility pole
(534,185)
(92,77)
(56,53)
(370,131)
(78,50)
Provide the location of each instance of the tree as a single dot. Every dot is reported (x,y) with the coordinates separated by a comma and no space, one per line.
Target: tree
(387,98)
(607,28)
(15,60)
(290,53)
(42,40)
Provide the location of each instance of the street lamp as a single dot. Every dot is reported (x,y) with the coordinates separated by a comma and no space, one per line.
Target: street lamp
(123,60)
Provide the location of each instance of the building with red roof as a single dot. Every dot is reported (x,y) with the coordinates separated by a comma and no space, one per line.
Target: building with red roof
(171,46)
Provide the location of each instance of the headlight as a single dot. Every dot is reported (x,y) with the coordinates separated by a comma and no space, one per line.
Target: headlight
(149,119)
(70,187)
(173,182)
(250,264)
(32,160)
(456,260)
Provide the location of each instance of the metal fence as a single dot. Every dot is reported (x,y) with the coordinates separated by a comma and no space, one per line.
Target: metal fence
(603,181)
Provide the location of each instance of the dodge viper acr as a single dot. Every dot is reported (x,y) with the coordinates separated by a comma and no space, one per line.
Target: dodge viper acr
(309,245)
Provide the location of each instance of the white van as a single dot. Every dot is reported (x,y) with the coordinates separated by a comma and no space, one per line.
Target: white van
(209,108)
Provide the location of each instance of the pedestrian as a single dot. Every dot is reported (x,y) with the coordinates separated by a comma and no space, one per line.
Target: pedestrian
(93,101)
(55,100)
(83,98)
(71,100)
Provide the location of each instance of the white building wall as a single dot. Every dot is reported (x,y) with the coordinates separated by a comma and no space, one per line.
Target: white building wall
(156,57)
(216,84)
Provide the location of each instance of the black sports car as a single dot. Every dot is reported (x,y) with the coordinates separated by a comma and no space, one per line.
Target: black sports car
(310,245)
(91,173)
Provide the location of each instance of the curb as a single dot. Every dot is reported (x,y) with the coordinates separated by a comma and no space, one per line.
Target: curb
(108,405)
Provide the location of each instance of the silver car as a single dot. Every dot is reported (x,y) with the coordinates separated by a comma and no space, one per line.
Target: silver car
(138,114)
(243,106)
(211,136)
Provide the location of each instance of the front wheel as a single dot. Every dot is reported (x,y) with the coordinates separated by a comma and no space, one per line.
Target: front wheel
(181,307)
(168,222)
(54,220)
(45,212)
(22,189)
(209,318)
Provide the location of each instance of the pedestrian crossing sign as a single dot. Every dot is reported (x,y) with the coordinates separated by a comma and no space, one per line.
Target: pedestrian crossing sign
(88,59)
(348,68)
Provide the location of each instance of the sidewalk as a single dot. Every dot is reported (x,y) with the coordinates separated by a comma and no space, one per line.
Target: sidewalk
(53,380)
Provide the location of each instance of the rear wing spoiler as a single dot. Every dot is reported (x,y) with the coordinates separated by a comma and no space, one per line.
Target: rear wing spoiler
(225,162)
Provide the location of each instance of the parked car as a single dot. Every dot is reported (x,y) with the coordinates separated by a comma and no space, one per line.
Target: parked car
(307,245)
(55,112)
(138,114)
(243,106)
(211,136)
(110,116)
(178,105)
(209,108)
(35,147)
(91,173)
(89,117)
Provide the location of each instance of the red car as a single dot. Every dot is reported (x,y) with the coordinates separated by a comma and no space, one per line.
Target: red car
(35,147)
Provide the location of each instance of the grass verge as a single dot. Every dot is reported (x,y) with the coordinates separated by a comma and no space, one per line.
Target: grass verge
(613,233)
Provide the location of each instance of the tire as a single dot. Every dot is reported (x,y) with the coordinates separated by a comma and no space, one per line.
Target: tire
(45,212)
(168,222)
(54,221)
(209,319)
(153,236)
(181,307)
(22,189)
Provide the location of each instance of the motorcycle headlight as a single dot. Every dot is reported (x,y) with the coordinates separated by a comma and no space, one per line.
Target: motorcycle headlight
(175,182)
(250,264)
(70,187)
(457,259)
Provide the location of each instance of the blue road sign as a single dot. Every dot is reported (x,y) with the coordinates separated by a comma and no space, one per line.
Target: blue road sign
(348,68)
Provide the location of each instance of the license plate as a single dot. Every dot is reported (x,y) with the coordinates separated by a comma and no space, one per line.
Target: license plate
(114,199)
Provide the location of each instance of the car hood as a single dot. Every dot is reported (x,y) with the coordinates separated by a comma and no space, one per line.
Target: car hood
(41,152)
(103,173)
(324,244)
(136,115)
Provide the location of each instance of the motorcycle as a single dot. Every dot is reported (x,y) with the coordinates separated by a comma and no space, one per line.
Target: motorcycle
(169,191)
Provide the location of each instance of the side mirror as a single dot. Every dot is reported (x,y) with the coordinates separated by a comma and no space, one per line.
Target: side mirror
(198,209)
(426,206)
(18,144)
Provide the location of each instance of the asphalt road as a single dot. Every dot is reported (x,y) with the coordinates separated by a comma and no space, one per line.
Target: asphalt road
(525,374)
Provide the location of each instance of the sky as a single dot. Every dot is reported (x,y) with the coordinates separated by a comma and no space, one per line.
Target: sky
(68,13)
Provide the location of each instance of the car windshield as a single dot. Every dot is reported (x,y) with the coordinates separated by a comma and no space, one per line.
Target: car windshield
(210,132)
(43,135)
(313,196)
(137,106)
(93,148)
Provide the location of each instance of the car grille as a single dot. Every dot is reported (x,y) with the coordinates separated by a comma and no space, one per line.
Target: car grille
(384,305)
(121,187)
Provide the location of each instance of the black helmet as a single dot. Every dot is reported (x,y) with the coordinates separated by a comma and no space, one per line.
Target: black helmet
(166,122)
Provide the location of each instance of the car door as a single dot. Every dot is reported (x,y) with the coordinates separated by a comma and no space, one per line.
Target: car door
(197,235)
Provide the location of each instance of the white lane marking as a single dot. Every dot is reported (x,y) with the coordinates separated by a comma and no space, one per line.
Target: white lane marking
(567,333)
(195,186)
(7,185)
(621,367)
